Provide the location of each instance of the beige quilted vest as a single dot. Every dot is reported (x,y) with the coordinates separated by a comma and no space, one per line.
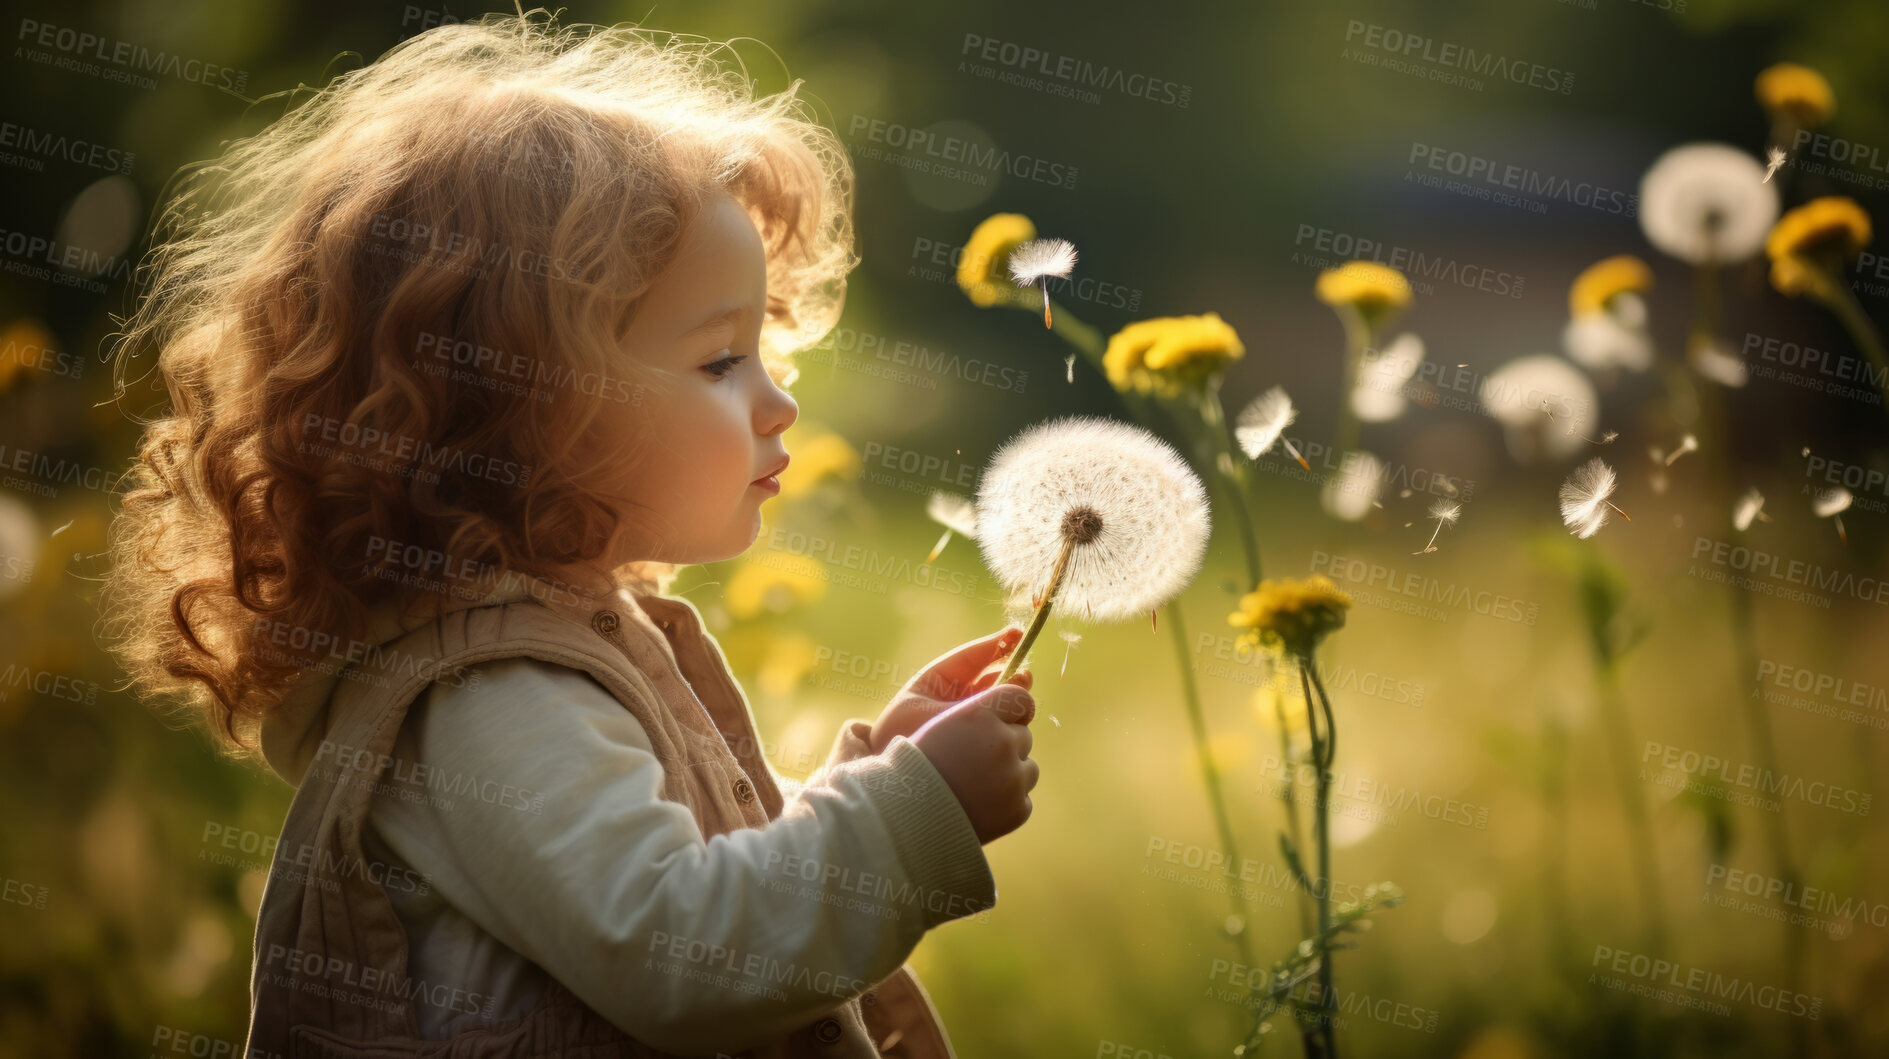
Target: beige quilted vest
(330,965)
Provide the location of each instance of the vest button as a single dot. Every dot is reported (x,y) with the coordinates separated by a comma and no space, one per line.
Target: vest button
(827,1030)
(869,997)
(744,790)
(605,621)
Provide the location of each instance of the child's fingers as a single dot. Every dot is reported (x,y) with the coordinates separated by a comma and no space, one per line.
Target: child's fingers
(1022,678)
(955,674)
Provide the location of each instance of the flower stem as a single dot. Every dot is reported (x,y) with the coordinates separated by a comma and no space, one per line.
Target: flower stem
(1357,340)
(1292,807)
(1042,611)
(1328,1000)
(1841,300)
(1633,800)
(1210,773)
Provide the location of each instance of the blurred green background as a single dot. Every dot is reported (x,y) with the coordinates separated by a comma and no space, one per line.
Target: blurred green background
(119,926)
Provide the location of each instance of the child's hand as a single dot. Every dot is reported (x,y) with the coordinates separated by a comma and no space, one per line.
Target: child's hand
(955,675)
(982,749)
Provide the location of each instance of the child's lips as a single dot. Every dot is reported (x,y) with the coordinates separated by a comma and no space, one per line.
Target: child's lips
(770,485)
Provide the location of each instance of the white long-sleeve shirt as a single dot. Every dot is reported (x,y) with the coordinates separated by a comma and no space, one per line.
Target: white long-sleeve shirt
(583,871)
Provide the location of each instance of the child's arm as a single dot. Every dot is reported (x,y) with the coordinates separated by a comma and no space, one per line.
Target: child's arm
(691,946)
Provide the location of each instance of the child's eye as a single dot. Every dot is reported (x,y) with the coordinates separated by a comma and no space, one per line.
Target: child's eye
(722,367)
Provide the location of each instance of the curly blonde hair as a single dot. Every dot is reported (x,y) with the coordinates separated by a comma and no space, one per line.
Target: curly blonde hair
(507,190)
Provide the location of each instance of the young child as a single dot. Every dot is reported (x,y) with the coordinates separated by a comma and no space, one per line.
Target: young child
(465,354)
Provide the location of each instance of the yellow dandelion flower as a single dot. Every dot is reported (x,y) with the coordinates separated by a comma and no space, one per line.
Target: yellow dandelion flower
(1797,92)
(1168,354)
(1291,614)
(982,269)
(1600,281)
(774,581)
(1365,284)
(1812,241)
(814,460)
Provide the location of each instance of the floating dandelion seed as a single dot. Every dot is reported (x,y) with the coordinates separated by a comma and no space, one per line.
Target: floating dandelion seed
(1100,516)
(1070,640)
(1689,443)
(1584,502)
(1265,421)
(956,513)
(1037,260)
(1710,359)
(1831,504)
(1750,506)
(1445,514)
(1069,368)
(61,529)
(1605,439)
(1773,161)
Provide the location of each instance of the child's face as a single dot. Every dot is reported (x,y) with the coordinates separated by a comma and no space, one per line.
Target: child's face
(716,431)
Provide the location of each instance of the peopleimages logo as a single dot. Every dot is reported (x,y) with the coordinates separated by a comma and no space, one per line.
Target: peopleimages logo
(1530,186)
(1450,56)
(923,149)
(1079,73)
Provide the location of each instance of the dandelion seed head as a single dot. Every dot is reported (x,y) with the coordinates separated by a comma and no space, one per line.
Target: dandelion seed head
(1602,340)
(1260,423)
(1446,512)
(1832,502)
(953,511)
(1350,494)
(1069,636)
(1707,203)
(1516,392)
(1747,509)
(1039,258)
(1584,498)
(1378,396)
(1142,507)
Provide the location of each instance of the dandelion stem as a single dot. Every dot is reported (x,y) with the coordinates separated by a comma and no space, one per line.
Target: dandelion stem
(1220,444)
(1357,339)
(1321,821)
(1842,301)
(1042,610)
(1292,807)
(1634,802)
(1210,773)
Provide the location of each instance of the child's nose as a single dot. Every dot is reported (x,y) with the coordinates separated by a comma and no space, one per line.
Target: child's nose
(777,411)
